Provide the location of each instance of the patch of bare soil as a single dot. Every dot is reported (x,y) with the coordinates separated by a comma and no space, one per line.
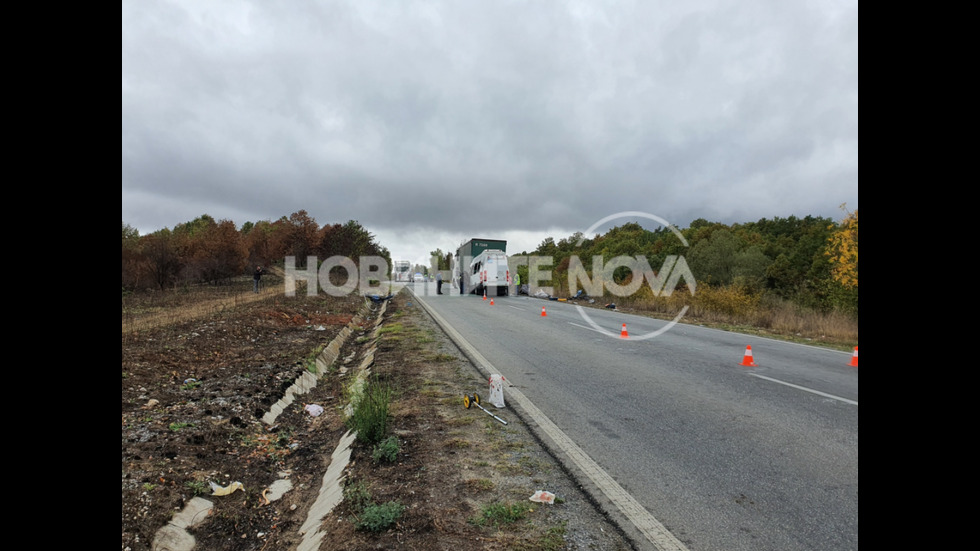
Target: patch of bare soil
(195,390)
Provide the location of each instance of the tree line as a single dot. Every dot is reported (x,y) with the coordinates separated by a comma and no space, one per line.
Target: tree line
(206,250)
(810,261)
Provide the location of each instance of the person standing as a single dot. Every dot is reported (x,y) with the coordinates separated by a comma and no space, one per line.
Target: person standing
(256,276)
(517,283)
(438,282)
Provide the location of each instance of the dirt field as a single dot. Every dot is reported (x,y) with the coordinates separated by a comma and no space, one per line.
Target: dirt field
(201,368)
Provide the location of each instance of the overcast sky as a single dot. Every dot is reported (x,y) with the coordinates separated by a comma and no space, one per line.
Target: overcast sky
(430,122)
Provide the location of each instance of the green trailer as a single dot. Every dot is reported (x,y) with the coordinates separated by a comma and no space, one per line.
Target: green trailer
(463,279)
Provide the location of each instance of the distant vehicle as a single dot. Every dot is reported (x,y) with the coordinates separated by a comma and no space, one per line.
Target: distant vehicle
(489,273)
(465,269)
(402,270)
(419,278)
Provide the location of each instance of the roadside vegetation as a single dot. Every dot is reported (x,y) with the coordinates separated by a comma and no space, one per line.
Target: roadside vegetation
(790,277)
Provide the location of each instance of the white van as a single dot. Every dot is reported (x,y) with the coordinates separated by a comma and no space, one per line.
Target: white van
(489,272)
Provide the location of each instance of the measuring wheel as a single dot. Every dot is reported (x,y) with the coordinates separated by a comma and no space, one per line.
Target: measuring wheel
(475,399)
(470,400)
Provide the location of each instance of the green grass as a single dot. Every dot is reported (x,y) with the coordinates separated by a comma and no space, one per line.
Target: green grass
(496,514)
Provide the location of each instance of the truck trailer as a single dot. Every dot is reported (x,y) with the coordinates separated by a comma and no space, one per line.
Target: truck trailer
(480,265)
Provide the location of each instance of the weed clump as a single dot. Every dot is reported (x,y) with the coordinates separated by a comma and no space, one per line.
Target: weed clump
(369,413)
(386,450)
(377,518)
(496,514)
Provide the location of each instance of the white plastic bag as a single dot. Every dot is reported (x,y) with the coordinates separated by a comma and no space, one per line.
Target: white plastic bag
(497,390)
(219,490)
(542,496)
(313,409)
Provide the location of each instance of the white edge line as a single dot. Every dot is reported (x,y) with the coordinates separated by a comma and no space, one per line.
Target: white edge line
(805,389)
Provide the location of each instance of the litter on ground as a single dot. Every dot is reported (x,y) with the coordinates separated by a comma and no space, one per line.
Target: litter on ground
(313,409)
(218,490)
(542,496)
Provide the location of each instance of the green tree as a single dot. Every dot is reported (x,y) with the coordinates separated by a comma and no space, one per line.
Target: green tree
(440,259)
(750,267)
(712,260)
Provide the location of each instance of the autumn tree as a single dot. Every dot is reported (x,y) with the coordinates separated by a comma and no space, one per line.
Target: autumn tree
(843,250)
(221,252)
(162,260)
(131,257)
(296,236)
(258,239)
(210,251)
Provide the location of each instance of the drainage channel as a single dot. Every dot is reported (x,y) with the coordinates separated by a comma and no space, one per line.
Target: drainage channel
(175,537)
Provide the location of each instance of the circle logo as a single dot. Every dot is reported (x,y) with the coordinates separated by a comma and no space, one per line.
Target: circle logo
(639,267)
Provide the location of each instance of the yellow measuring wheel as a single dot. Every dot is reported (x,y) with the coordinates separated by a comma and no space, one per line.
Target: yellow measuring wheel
(475,399)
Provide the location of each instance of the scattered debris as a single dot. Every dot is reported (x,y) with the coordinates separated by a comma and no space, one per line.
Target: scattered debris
(218,490)
(542,496)
(313,409)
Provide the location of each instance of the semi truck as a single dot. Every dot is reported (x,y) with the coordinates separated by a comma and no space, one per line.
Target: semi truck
(480,266)
(402,270)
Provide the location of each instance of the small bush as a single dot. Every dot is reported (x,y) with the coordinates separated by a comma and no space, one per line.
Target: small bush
(386,450)
(369,417)
(377,518)
(357,496)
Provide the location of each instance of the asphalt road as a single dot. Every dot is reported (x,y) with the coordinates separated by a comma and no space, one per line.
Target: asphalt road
(726,457)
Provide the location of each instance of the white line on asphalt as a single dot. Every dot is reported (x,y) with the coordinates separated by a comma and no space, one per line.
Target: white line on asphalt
(585,327)
(854,402)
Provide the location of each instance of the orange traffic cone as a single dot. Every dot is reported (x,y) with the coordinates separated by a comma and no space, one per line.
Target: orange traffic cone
(854,358)
(747,359)
(484,295)
(623,334)
(543,314)
(491,302)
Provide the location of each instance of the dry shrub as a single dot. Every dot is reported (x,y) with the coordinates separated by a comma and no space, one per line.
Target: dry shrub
(737,305)
(785,318)
(732,303)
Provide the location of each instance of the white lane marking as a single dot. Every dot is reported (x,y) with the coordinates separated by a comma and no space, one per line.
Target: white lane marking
(803,388)
(584,327)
